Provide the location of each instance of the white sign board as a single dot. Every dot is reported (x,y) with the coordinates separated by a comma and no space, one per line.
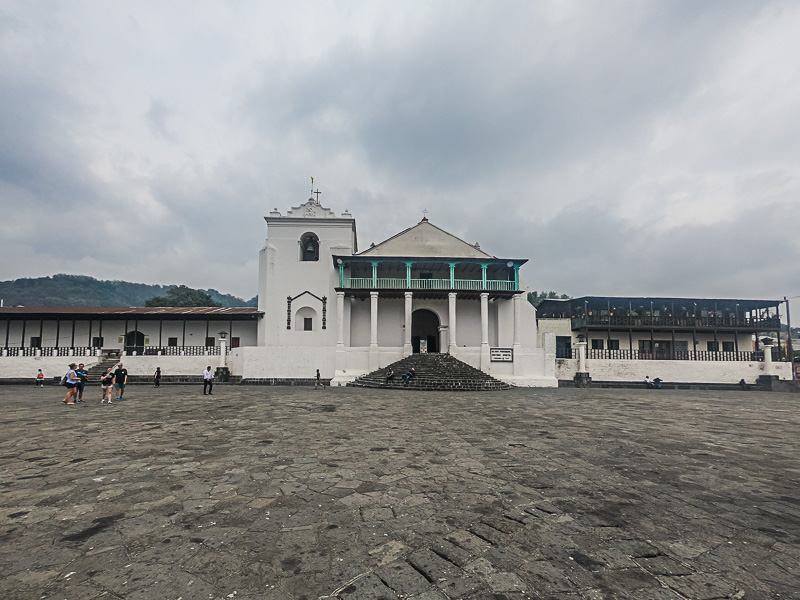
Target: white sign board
(501,354)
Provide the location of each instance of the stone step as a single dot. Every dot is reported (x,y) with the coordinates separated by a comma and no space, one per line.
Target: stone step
(433,372)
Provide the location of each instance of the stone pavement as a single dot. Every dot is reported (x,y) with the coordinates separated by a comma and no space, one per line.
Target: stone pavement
(287,493)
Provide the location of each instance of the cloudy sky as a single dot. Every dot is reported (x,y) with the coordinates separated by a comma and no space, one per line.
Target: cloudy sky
(625,148)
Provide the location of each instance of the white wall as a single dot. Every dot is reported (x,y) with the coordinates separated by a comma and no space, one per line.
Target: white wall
(52,366)
(288,362)
(684,371)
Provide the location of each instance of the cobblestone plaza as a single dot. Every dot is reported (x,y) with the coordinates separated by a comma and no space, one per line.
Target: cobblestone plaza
(289,493)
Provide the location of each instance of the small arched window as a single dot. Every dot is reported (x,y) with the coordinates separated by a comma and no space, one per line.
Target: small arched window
(309,247)
(305,319)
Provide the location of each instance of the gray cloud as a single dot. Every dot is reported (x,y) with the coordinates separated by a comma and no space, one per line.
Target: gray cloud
(623,148)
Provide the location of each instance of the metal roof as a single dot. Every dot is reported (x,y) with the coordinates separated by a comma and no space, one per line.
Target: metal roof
(126,312)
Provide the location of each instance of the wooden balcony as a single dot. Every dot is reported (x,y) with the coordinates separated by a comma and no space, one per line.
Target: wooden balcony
(727,322)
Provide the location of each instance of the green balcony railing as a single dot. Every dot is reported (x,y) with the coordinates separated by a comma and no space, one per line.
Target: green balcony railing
(397,283)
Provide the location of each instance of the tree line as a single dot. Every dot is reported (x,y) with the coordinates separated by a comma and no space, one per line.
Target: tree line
(81,290)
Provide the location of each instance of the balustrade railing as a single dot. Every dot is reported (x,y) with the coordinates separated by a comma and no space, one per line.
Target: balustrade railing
(182,350)
(722,321)
(51,351)
(697,355)
(87,351)
(395,283)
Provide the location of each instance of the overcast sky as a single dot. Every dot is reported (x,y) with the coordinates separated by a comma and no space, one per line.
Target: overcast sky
(625,148)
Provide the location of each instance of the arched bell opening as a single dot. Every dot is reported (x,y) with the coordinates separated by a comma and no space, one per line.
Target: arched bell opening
(309,247)
(424,331)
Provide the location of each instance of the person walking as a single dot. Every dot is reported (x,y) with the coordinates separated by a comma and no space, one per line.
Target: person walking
(39,381)
(107,385)
(318,381)
(157,377)
(84,378)
(71,381)
(120,380)
(208,380)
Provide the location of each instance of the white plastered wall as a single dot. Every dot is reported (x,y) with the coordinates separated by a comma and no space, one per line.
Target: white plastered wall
(679,371)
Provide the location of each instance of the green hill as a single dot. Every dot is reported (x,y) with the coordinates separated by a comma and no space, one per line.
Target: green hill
(79,290)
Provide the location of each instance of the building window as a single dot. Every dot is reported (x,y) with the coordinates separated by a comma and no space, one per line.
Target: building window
(210,341)
(426,275)
(712,346)
(305,319)
(727,347)
(563,346)
(613,344)
(597,344)
(97,342)
(36,342)
(172,341)
(309,247)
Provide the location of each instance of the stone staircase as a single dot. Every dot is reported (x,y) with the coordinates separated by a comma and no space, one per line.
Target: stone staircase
(95,372)
(433,372)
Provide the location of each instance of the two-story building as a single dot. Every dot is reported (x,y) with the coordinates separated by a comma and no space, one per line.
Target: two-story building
(681,339)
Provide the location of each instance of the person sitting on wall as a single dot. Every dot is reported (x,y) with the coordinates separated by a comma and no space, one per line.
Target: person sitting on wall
(389,376)
(657,383)
(743,384)
(408,375)
(647,383)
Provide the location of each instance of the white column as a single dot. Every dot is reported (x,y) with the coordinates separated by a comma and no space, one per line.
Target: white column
(451,327)
(767,359)
(581,357)
(341,356)
(340,318)
(373,319)
(407,338)
(374,357)
(223,351)
(485,362)
(517,334)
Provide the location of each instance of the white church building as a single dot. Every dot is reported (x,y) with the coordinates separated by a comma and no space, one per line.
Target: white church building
(323,304)
(328,306)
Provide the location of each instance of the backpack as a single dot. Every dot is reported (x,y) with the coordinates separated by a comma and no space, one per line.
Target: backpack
(63,380)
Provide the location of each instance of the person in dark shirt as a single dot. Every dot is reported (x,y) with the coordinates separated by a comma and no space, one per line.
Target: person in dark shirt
(107,385)
(84,377)
(120,380)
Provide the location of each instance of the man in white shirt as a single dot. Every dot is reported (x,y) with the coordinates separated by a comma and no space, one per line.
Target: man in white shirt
(208,380)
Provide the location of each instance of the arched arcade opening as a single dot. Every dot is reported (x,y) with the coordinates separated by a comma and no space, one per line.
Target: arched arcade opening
(424,331)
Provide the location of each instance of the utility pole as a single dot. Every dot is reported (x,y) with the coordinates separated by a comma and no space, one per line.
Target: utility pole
(789,347)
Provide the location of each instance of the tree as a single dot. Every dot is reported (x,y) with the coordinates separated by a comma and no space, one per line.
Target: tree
(536,298)
(183,296)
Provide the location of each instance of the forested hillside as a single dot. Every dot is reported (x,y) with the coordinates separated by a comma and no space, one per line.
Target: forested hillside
(79,290)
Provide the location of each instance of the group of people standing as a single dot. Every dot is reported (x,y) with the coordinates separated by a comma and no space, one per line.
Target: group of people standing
(77,377)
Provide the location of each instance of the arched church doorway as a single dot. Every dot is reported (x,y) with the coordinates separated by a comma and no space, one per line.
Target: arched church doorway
(424,328)
(134,342)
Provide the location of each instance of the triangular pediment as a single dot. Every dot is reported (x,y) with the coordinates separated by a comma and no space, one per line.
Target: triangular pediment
(425,240)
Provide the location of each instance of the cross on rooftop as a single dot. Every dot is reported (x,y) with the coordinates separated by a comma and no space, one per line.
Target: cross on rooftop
(317,193)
